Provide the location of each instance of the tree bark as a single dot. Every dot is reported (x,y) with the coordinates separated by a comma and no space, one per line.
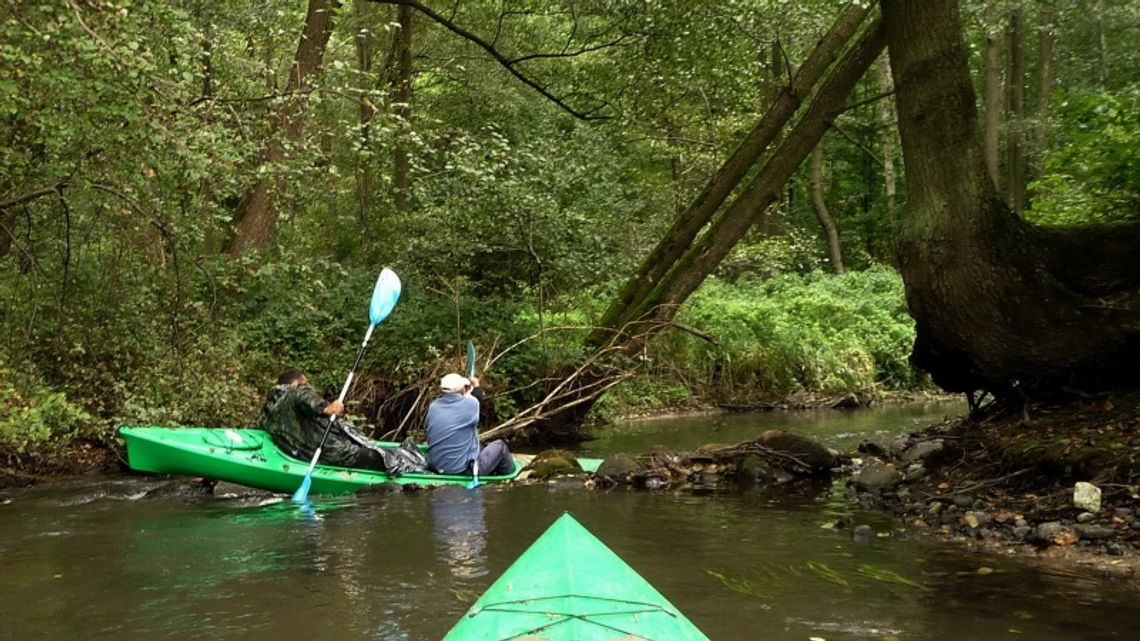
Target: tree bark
(687,226)
(990,311)
(993,98)
(257,213)
(401,165)
(831,233)
(1015,83)
(1045,46)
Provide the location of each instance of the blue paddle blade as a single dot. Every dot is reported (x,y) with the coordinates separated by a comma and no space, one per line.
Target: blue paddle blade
(470,359)
(384,296)
(302,493)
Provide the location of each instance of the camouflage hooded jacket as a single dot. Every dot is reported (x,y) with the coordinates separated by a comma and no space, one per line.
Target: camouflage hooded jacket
(292,414)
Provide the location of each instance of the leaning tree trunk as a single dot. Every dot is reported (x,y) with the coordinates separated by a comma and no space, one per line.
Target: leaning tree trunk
(257,212)
(689,224)
(999,305)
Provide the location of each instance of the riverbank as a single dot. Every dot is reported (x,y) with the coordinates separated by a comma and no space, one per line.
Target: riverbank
(1057,483)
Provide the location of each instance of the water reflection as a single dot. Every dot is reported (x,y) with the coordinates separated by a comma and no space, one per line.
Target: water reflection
(459,524)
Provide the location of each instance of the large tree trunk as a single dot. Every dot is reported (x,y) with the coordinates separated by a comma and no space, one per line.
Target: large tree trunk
(687,226)
(257,213)
(819,202)
(999,305)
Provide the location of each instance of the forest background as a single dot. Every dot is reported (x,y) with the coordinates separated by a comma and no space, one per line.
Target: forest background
(195,195)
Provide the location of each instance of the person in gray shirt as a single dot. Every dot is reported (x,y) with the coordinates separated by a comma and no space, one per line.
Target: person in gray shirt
(452,427)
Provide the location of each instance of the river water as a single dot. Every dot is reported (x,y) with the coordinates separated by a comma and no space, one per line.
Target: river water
(92,560)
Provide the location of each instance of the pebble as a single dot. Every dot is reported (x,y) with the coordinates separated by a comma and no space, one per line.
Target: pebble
(1085,517)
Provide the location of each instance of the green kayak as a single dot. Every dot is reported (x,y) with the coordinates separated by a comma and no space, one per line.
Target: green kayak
(568,586)
(249,457)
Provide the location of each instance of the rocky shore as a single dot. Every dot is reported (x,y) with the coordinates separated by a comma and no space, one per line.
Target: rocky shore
(1061,484)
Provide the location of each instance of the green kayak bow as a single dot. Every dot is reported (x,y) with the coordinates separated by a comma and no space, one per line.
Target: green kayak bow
(568,586)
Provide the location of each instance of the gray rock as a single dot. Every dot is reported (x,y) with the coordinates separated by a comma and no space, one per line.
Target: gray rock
(1021,532)
(874,446)
(1086,496)
(922,450)
(1085,517)
(863,534)
(1125,513)
(963,500)
(1114,549)
(811,453)
(915,472)
(619,468)
(876,475)
(751,469)
(1095,532)
(1046,531)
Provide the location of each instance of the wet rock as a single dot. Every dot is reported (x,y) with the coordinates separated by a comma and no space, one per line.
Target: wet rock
(863,534)
(550,463)
(876,475)
(814,455)
(381,488)
(618,468)
(875,447)
(1085,517)
(226,490)
(1095,532)
(1114,549)
(1086,496)
(922,450)
(1047,532)
(181,487)
(751,470)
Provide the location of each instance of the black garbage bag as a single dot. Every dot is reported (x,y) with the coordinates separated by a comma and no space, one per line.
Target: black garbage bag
(397,460)
(403,459)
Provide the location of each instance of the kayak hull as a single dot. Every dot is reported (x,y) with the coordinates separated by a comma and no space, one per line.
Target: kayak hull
(249,457)
(568,586)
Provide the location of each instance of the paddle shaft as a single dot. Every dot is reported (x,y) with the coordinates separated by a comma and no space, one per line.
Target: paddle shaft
(343,395)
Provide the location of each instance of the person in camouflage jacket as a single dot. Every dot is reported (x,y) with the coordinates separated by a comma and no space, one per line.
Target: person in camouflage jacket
(295,415)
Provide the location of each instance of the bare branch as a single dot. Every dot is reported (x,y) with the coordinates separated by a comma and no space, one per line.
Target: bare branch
(34,194)
(507,63)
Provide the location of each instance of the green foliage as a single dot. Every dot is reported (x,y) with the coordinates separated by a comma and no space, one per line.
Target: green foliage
(1092,174)
(34,417)
(815,333)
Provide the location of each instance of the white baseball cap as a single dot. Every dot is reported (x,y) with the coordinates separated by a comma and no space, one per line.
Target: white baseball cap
(453,383)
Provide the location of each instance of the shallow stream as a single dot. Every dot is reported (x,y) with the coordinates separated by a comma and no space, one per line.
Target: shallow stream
(91,560)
